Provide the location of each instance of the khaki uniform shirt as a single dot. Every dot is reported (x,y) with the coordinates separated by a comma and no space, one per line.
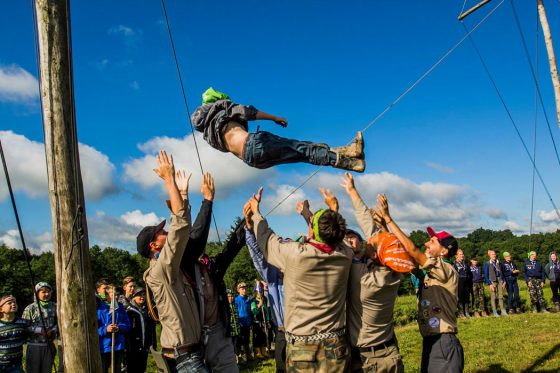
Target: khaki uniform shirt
(372,293)
(314,282)
(173,294)
(438,298)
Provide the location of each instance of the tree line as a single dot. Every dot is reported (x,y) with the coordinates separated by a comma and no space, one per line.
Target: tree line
(115,264)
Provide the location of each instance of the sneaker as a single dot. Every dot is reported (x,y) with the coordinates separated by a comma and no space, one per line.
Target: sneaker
(504,313)
(477,315)
(496,314)
(544,310)
(535,309)
(518,310)
(511,311)
(354,150)
(350,164)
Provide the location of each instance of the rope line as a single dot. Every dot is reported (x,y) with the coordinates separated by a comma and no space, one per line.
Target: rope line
(398,99)
(535,80)
(180,75)
(486,69)
(535,128)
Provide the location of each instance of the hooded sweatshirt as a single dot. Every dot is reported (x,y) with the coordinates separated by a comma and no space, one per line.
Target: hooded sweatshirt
(552,269)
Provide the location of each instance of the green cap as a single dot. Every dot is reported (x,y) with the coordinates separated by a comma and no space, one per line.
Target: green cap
(531,253)
(211,95)
(506,254)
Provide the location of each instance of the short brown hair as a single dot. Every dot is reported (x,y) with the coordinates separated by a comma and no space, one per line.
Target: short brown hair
(127,280)
(332,227)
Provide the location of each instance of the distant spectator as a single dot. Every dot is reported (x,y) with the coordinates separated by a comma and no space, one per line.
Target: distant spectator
(243,303)
(478,304)
(13,334)
(465,283)
(101,291)
(510,272)
(552,271)
(534,276)
(234,321)
(106,328)
(495,279)
(261,321)
(41,350)
(128,289)
(142,334)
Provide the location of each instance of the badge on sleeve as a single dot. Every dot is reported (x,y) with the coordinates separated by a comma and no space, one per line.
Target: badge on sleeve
(425,303)
(433,322)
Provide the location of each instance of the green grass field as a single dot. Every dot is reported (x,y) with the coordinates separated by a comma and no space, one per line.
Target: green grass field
(518,343)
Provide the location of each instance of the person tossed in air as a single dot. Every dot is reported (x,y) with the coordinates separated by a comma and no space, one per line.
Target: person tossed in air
(225,127)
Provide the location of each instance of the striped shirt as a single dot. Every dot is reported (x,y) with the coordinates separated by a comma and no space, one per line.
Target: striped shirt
(13,334)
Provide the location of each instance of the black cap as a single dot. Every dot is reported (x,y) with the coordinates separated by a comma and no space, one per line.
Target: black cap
(147,235)
(355,233)
(451,244)
(138,291)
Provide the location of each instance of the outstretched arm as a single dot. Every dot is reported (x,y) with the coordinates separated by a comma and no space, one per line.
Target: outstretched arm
(201,228)
(261,115)
(232,247)
(409,246)
(361,211)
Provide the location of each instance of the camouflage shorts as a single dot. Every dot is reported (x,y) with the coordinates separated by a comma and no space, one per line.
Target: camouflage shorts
(329,355)
(536,292)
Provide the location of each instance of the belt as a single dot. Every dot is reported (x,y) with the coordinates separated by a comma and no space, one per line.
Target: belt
(291,338)
(173,353)
(391,342)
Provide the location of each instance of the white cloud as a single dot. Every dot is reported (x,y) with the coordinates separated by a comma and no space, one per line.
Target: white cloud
(37,244)
(496,213)
(28,170)
(228,171)
(440,167)
(549,216)
(414,205)
(123,30)
(17,85)
(276,194)
(514,227)
(138,219)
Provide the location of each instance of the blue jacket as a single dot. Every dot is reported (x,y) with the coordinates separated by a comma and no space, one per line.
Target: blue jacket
(477,275)
(244,310)
(492,275)
(507,269)
(104,319)
(272,275)
(533,270)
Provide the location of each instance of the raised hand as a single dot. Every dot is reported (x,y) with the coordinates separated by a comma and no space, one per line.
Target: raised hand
(255,201)
(247,214)
(281,121)
(299,207)
(384,206)
(182,179)
(348,183)
(166,168)
(207,188)
(329,198)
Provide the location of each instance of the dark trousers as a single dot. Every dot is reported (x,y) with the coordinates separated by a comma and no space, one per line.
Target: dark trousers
(136,361)
(280,351)
(264,150)
(465,287)
(243,340)
(554,286)
(442,353)
(39,359)
(513,300)
(106,361)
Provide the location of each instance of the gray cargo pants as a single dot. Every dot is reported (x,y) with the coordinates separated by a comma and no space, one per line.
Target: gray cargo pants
(219,353)
(442,353)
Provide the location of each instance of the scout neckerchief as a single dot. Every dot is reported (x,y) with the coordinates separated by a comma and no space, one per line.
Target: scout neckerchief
(322,247)
(496,268)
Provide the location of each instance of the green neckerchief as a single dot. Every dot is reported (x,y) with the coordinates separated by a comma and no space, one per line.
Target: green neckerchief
(447,260)
(44,303)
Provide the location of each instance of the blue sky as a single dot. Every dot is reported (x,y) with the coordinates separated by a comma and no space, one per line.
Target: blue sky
(447,154)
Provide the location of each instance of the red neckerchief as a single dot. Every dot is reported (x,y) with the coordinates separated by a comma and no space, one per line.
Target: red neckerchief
(322,247)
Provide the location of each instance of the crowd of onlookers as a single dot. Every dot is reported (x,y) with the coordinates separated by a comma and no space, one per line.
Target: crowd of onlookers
(501,278)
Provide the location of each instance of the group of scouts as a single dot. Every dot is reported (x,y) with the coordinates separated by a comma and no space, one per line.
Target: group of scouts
(331,295)
(499,275)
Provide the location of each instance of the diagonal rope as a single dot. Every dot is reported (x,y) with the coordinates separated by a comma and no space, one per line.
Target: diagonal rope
(487,70)
(535,80)
(398,99)
(176,59)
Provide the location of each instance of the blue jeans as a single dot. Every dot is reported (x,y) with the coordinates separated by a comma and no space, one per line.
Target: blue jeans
(189,363)
(513,300)
(264,150)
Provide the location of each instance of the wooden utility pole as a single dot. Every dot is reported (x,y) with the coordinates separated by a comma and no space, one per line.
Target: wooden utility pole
(76,303)
(551,56)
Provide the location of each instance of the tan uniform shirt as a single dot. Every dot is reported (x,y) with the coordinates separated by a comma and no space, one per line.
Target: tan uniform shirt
(371,299)
(372,293)
(438,298)
(314,291)
(174,296)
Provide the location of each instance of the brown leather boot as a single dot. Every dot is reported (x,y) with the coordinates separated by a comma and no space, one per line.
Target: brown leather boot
(350,164)
(354,150)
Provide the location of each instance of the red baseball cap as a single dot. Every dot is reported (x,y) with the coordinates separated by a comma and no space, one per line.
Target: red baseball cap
(439,235)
